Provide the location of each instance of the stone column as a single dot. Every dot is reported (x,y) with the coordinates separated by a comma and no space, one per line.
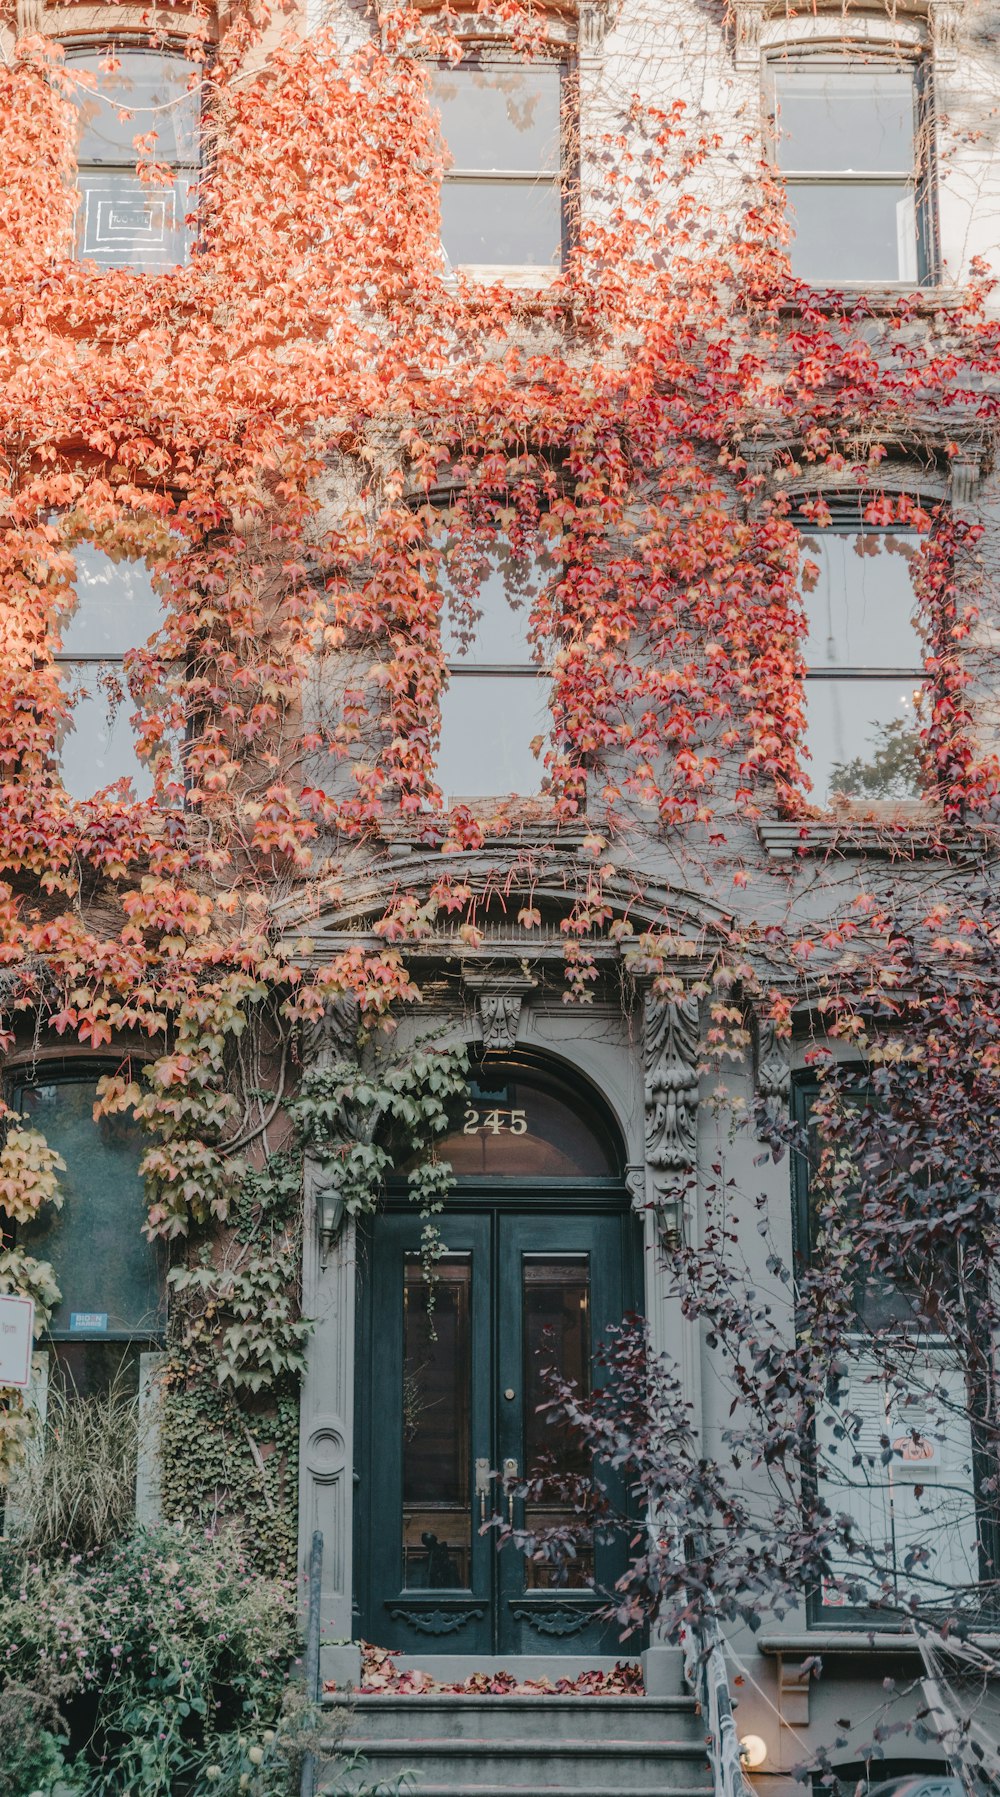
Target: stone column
(326,1435)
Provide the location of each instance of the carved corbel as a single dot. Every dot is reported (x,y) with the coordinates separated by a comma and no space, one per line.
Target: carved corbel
(774,1070)
(670,1051)
(28,18)
(593,22)
(966,469)
(945,18)
(499,1014)
(748,19)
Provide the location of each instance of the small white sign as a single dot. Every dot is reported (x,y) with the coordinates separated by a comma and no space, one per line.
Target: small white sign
(17,1338)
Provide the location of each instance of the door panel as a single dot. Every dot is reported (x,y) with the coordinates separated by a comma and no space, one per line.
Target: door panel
(456,1382)
(428,1413)
(560,1284)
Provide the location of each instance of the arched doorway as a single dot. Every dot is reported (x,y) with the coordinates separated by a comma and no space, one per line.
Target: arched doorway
(541,1247)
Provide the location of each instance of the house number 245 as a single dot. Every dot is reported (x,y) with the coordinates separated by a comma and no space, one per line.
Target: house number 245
(495,1122)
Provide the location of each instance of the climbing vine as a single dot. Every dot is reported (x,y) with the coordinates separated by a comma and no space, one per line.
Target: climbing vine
(303,434)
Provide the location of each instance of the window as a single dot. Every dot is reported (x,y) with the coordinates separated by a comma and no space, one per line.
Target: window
(847,145)
(116,610)
(494,711)
(864,660)
(895,1447)
(501,203)
(110,1276)
(124,222)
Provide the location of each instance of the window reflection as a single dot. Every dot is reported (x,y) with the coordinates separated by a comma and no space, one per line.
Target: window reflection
(501,204)
(864,656)
(556,1311)
(116,610)
(124,222)
(436,1397)
(495,708)
(845,143)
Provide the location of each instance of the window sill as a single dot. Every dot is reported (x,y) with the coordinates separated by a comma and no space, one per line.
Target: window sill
(519,277)
(904,830)
(851,1641)
(879,296)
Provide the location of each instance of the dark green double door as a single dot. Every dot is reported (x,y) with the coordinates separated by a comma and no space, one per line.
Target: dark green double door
(453,1425)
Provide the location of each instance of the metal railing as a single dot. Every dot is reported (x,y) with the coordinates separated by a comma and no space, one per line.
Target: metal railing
(705,1664)
(307,1783)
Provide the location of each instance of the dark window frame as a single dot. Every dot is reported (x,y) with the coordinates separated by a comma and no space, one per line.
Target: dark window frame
(805,1088)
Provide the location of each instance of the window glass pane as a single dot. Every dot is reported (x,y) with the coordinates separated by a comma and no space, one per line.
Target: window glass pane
(556,1335)
(488,723)
(437,1383)
(863,739)
(520,1125)
(844,119)
(922,1501)
(853,231)
(500,117)
(116,609)
(122,223)
(97,744)
(492,627)
(111,1277)
(153,90)
(860,604)
(502,224)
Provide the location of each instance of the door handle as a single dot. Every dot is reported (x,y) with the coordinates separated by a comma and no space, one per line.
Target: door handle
(510,1480)
(482,1488)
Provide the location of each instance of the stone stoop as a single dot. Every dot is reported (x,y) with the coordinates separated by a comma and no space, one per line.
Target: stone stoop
(485,1746)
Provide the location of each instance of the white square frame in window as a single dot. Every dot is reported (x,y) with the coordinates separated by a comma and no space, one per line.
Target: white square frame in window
(865,673)
(122,221)
(496,704)
(873,225)
(503,211)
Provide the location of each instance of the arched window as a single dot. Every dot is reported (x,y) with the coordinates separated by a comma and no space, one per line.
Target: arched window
(116,610)
(125,222)
(495,718)
(111,1278)
(526,1123)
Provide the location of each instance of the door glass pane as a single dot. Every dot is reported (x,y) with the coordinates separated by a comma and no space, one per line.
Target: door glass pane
(860,601)
(844,119)
(848,231)
(110,1276)
(437,1377)
(864,739)
(556,1295)
(500,117)
(503,224)
(515,1123)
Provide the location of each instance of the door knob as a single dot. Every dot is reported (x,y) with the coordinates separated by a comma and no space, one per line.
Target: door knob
(510,1480)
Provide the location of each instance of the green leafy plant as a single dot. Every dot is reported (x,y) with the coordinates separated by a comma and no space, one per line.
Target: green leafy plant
(74,1486)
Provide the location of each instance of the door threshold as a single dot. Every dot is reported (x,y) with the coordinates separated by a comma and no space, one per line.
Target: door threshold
(453,1668)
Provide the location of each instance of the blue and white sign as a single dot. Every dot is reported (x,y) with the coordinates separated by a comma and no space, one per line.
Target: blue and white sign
(88,1322)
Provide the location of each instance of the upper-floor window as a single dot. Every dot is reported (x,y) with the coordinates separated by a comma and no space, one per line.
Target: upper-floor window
(501,204)
(849,145)
(116,610)
(124,221)
(495,717)
(864,658)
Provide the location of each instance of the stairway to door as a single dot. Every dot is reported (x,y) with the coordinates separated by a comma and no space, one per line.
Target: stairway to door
(472,1746)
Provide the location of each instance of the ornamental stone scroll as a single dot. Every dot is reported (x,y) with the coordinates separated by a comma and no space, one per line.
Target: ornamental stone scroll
(671,1035)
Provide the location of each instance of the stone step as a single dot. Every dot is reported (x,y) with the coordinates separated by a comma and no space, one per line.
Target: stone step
(622,1766)
(458,1717)
(422,1789)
